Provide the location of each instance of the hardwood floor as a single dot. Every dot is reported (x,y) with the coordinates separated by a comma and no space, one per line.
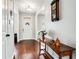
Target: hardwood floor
(40,57)
(28,49)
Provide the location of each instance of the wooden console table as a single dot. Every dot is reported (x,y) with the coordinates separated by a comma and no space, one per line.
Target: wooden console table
(64,50)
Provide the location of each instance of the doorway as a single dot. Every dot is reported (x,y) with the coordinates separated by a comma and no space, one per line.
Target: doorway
(26,25)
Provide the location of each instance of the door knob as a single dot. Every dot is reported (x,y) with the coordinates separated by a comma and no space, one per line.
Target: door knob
(7,35)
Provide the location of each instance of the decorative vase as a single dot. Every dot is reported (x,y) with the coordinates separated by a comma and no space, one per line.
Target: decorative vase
(53,41)
(57,43)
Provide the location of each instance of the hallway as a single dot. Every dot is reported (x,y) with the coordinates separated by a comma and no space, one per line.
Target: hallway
(29,49)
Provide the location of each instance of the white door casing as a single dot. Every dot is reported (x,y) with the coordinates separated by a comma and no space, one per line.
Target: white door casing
(8,41)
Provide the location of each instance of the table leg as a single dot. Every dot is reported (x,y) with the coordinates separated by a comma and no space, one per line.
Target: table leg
(70,56)
(60,57)
(39,48)
(14,57)
(45,46)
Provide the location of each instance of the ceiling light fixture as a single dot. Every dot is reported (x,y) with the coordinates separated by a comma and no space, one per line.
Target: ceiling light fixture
(29,8)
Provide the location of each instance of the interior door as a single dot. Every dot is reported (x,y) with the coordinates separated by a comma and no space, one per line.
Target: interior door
(26,27)
(7,31)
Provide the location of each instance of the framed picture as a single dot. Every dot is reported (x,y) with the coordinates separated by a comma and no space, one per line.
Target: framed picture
(55,10)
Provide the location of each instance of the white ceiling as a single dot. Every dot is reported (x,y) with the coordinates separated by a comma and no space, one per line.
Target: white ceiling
(35,5)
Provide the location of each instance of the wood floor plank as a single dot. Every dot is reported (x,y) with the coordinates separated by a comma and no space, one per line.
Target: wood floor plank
(28,49)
